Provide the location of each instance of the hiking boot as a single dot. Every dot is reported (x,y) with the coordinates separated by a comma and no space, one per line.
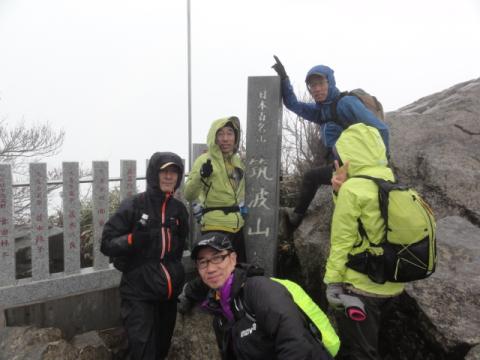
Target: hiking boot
(294,219)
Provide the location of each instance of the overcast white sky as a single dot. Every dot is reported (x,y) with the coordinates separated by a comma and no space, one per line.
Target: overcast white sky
(113,74)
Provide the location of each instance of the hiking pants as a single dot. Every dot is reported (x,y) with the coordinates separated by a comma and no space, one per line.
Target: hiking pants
(149,326)
(359,339)
(312,179)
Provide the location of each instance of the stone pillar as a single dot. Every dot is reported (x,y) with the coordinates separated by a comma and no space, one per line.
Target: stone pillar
(71,218)
(264,125)
(39,216)
(128,174)
(7,239)
(100,192)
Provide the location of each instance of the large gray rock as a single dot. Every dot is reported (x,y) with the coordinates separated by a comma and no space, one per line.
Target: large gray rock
(194,338)
(22,343)
(450,298)
(31,343)
(435,143)
(473,354)
(312,243)
(91,346)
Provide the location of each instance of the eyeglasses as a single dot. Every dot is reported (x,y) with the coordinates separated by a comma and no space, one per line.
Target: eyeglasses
(317,83)
(216,259)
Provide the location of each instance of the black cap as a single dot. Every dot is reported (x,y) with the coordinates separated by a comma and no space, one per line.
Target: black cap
(216,240)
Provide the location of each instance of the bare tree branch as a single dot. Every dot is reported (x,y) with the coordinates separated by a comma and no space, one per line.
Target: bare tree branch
(21,144)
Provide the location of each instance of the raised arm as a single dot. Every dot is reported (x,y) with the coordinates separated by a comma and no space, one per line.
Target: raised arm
(308,111)
(195,184)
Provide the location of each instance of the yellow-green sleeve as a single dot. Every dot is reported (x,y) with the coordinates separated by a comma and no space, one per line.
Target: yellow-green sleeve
(344,234)
(194,185)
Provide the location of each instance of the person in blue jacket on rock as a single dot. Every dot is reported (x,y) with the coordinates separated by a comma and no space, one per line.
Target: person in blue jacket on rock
(349,110)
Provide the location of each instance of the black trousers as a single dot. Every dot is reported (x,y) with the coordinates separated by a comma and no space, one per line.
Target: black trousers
(359,339)
(312,179)
(149,326)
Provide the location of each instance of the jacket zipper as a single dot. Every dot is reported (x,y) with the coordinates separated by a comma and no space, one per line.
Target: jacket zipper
(169,281)
(164,206)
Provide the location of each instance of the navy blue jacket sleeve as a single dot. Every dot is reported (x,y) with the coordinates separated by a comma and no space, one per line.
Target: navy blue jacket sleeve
(351,110)
(308,111)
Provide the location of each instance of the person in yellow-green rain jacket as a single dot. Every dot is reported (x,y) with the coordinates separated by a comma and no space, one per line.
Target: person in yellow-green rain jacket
(359,151)
(217,181)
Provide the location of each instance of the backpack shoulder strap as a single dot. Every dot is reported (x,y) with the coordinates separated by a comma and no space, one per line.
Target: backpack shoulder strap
(334,112)
(384,188)
(241,309)
(139,202)
(139,205)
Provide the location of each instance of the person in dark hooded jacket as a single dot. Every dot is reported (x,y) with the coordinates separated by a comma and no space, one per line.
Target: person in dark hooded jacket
(148,231)
(255,317)
(350,110)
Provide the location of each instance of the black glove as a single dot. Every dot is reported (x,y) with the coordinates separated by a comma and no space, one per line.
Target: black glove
(278,67)
(206,169)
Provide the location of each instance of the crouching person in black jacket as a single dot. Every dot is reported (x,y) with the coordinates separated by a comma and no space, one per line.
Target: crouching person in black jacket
(255,317)
(146,236)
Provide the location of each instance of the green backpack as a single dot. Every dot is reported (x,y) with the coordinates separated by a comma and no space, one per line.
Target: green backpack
(409,242)
(318,323)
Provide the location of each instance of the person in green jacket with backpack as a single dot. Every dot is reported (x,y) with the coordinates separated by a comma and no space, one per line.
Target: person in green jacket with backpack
(217,181)
(361,151)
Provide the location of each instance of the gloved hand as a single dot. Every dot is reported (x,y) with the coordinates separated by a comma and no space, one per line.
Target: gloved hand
(206,169)
(354,307)
(334,290)
(185,304)
(279,68)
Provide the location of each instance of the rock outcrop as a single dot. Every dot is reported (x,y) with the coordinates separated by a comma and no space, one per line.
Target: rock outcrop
(435,145)
(28,342)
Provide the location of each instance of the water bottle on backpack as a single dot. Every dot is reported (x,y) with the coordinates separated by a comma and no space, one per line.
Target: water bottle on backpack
(197,211)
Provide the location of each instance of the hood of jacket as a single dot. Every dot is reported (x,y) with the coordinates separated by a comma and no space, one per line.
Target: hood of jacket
(156,161)
(213,148)
(363,147)
(324,70)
